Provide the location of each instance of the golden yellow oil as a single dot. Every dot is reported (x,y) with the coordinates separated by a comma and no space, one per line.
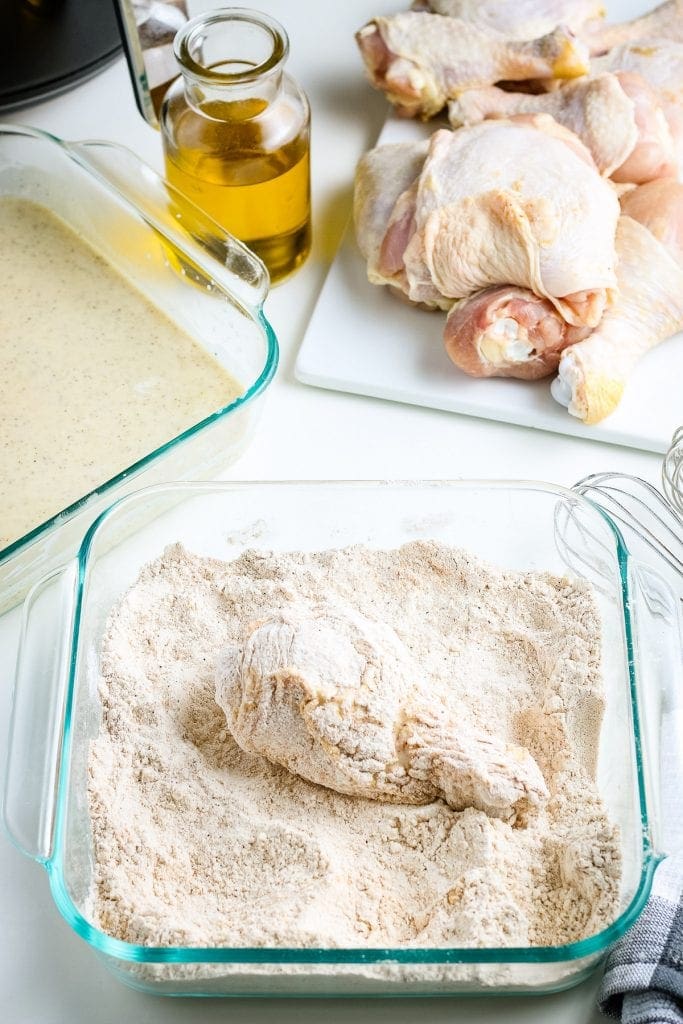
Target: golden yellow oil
(222,159)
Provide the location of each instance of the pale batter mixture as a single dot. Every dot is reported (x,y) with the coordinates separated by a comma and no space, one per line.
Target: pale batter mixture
(94,377)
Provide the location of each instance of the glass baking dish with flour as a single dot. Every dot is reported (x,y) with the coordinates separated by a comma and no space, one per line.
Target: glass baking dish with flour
(205,282)
(518,526)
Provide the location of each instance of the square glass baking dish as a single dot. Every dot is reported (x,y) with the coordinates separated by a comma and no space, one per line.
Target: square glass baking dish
(205,280)
(522,526)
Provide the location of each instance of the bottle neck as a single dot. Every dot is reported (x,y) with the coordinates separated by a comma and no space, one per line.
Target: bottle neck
(231,57)
(252,97)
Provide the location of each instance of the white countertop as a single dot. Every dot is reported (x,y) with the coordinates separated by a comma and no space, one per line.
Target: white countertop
(47,974)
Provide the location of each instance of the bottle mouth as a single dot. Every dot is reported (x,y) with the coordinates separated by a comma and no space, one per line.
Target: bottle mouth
(231,46)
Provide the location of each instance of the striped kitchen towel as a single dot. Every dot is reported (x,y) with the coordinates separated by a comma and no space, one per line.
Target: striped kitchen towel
(643,981)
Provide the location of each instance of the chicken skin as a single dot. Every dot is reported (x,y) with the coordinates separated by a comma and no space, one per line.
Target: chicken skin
(543,219)
(383,175)
(619,118)
(665,21)
(421,60)
(520,19)
(648,309)
(660,63)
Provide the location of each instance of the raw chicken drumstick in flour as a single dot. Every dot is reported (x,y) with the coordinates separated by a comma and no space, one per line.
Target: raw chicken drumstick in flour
(336,698)
(647,310)
(422,60)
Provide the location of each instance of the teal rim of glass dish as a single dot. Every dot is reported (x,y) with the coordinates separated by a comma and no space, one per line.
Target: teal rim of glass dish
(117,948)
(259,385)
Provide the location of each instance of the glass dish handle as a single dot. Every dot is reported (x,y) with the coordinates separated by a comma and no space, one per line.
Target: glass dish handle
(658,653)
(37,717)
(218,254)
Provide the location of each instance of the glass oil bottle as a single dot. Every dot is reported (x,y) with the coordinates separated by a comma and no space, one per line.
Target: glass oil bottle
(236,134)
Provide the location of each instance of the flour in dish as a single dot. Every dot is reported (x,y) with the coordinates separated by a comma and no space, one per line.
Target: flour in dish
(197,842)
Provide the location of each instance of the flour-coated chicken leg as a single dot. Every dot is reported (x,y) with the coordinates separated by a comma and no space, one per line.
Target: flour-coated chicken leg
(421,60)
(648,309)
(337,699)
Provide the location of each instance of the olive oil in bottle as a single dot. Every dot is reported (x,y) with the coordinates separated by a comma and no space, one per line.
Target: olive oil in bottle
(236,134)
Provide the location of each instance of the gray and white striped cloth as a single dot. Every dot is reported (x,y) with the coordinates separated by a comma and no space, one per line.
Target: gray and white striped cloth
(643,981)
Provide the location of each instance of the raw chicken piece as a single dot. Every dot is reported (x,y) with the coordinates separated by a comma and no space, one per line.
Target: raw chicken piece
(422,60)
(541,218)
(618,117)
(508,332)
(519,19)
(336,698)
(660,63)
(659,208)
(665,21)
(400,231)
(649,306)
(654,155)
(384,194)
(382,175)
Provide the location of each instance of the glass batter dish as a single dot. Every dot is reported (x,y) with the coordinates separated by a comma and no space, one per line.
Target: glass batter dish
(186,265)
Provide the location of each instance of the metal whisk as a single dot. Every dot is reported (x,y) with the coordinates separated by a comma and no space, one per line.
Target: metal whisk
(672,471)
(645,515)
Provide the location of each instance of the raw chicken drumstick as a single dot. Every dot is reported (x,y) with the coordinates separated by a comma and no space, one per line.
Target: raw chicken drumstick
(506,331)
(422,60)
(519,19)
(665,21)
(618,117)
(649,306)
(336,698)
(542,218)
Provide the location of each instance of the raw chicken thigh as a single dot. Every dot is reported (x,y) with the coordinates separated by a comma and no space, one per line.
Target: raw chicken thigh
(665,21)
(337,699)
(422,60)
(382,176)
(520,19)
(648,308)
(542,219)
(617,116)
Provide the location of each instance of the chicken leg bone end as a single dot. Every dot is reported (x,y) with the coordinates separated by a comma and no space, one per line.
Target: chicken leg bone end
(589,397)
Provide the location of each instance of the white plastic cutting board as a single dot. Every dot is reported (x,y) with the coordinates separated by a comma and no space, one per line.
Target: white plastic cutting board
(363,340)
